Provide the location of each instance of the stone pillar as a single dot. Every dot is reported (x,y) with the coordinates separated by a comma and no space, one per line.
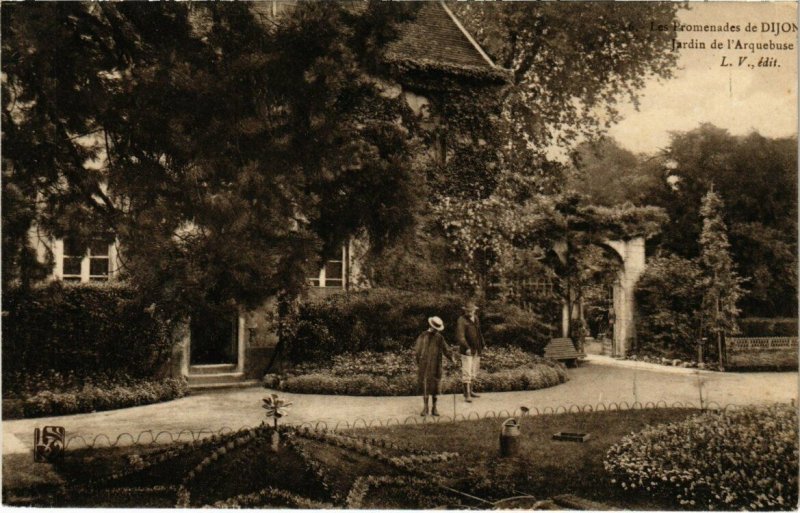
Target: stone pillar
(242,334)
(633,264)
(564,320)
(178,364)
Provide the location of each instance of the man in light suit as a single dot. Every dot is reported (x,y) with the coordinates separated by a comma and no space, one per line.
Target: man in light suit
(471,344)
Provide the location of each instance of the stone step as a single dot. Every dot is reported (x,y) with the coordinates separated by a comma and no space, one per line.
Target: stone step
(216,368)
(608,347)
(221,377)
(200,387)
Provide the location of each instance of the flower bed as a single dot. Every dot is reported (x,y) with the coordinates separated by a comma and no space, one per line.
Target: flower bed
(672,362)
(252,447)
(745,459)
(98,395)
(423,466)
(368,373)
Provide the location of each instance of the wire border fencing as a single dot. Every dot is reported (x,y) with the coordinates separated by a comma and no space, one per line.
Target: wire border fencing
(151,437)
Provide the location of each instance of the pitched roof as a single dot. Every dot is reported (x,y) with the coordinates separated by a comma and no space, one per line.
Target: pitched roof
(436,40)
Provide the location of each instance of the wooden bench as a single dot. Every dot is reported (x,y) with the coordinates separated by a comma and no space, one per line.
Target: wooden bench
(563,350)
(758,352)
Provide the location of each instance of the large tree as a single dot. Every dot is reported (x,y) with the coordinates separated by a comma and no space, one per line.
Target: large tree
(609,174)
(757,176)
(572,63)
(228,152)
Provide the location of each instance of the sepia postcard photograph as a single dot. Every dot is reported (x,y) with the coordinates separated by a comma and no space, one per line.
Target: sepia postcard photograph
(400,255)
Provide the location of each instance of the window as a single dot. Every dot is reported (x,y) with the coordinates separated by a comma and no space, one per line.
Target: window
(98,261)
(82,264)
(332,274)
(73,261)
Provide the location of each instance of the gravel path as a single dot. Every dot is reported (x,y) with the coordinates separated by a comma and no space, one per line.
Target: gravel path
(597,380)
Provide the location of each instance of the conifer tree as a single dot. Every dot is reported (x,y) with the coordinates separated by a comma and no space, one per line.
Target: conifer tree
(722,285)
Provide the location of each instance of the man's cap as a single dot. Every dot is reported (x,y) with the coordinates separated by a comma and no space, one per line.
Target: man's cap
(470,305)
(436,323)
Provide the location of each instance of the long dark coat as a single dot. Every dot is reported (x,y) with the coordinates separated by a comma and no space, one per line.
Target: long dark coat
(469,336)
(428,351)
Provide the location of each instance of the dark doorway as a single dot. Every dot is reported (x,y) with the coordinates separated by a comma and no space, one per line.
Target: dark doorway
(214,338)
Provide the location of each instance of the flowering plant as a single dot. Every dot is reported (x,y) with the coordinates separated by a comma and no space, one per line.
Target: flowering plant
(729,460)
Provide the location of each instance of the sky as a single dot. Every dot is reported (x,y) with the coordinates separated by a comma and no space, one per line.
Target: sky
(740,99)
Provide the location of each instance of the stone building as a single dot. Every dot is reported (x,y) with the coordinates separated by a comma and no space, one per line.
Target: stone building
(217,351)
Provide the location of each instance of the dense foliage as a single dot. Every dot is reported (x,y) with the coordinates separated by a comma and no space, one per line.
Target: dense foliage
(668,298)
(683,302)
(81,331)
(488,238)
(757,178)
(768,327)
(395,373)
(386,320)
(97,394)
(236,147)
(728,460)
(609,174)
(490,189)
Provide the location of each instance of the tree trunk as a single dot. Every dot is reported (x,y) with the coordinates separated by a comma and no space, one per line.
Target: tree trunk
(284,308)
(719,336)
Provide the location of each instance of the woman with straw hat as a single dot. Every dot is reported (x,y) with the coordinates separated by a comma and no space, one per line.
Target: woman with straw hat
(428,352)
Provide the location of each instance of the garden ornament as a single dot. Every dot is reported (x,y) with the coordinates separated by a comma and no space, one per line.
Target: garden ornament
(276,408)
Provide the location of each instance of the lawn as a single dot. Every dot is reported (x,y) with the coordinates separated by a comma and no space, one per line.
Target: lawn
(324,467)
(544,467)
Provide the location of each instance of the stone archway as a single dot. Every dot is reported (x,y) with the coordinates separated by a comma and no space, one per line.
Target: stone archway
(631,252)
(632,256)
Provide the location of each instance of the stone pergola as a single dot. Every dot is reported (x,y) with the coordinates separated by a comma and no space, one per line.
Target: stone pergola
(632,258)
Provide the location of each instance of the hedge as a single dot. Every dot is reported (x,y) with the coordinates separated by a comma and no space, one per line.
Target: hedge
(729,460)
(99,397)
(388,320)
(768,327)
(81,331)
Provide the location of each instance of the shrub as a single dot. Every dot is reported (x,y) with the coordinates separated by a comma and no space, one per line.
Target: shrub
(382,320)
(669,297)
(95,398)
(744,459)
(70,333)
(768,327)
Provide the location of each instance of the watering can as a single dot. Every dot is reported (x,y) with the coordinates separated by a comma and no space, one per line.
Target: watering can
(509,438)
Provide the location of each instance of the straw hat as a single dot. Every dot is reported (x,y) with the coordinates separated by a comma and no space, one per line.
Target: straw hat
(436,323)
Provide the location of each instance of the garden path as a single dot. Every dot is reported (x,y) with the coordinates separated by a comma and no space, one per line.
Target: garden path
(598,380)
